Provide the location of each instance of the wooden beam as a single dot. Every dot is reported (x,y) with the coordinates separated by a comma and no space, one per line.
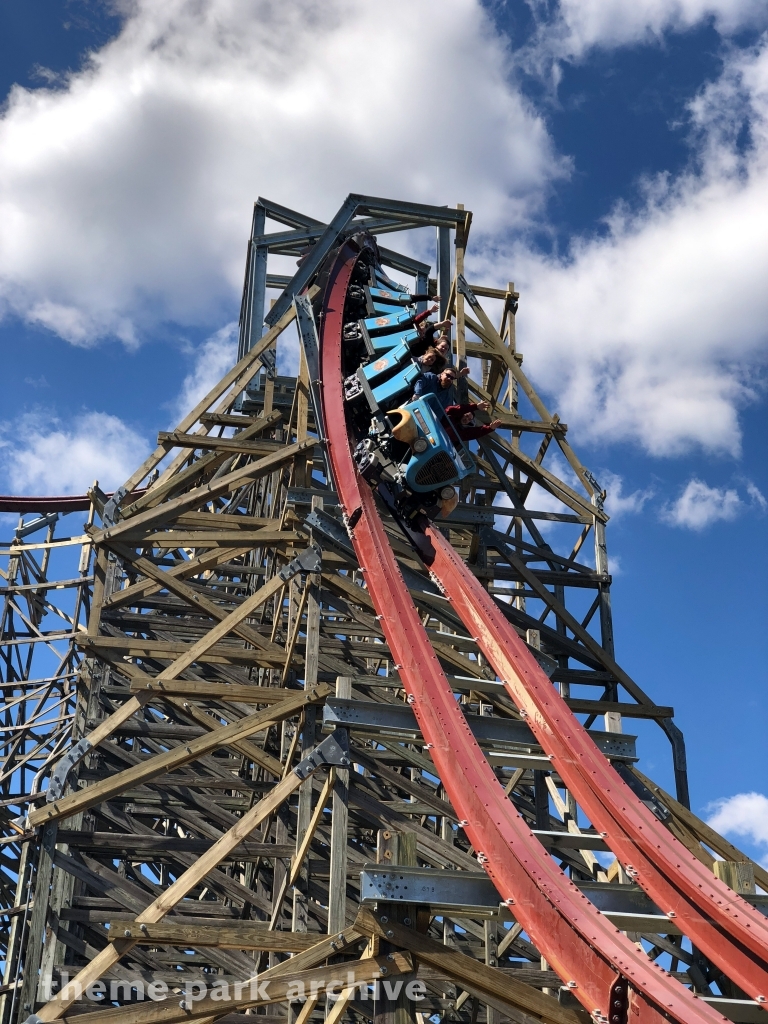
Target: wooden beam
(202,495)
(240,374)
(182,571)
(314,821)
(172,539)
(199,689)
(170,650)
(265,990)
(222,934)
(487,983)
(168,899)
(175,758)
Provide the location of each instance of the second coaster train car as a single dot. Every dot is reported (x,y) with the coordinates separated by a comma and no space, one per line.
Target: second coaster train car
(405,446)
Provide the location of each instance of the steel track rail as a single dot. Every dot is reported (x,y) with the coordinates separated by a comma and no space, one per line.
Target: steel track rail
(607,973)
(717,920)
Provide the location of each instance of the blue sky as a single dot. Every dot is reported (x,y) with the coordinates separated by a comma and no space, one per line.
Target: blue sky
(615,155)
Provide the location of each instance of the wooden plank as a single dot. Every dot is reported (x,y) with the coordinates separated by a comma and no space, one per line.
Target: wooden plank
(204,442)
(208,538)
(274,989)
(738,875)
(242,693)
(182,571)
(155,844)
(202,495)
(138,647)
(314,821)
(178,756)
(168,899)
(241,373)
(600,707)
(217,520)
(337,886)
(494,988)
(222,934)
(459,248)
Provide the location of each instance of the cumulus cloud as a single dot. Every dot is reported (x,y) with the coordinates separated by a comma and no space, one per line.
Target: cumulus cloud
(745,814)
(757,496)
(215,357)
(617,503)
(125,191)
(125,194)
(579,25)
(699,505)
(656,331)
(46,456)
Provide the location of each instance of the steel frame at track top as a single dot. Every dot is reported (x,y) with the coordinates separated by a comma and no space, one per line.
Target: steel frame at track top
(606,972)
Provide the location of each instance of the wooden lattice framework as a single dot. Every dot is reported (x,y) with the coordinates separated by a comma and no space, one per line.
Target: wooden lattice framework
(203,654)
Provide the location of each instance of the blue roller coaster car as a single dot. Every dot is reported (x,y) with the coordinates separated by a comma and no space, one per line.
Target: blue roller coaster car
(436,459)
(411,448)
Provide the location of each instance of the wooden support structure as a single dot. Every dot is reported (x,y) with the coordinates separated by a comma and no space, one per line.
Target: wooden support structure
(165,669)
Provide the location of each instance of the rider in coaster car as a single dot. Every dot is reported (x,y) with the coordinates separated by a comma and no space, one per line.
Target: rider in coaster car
(431,360)
(427,330)
(462,417)
(439,384)
(443,344)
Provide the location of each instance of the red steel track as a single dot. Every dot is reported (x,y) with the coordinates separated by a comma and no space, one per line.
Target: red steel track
(607,973)
(718,921)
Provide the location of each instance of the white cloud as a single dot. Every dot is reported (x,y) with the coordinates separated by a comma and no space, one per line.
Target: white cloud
(699,506)
(125,191)
(50,457)
(616,502)
(757,496)
(579,25)
(745,814)
(656,332)
(215,357)
(125,194)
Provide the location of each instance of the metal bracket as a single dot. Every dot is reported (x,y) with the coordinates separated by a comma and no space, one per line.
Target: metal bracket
(599,492)
(466,291)
(310,343)
(549,665)
(111,512)
(37,524)
(65,766)
(309,560)
(333,533)
(365,387)
(502,736)
(334,750)
(268,359)
(642,792)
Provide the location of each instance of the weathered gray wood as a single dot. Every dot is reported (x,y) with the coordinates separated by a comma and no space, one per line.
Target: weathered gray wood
(337,889)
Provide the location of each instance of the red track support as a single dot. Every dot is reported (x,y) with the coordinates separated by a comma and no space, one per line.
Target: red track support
(612,979)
